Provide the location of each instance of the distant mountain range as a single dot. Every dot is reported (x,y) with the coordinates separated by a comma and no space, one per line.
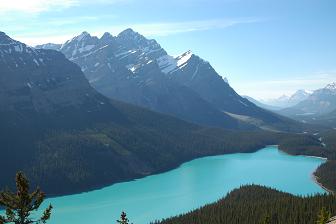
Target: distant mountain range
(288,101)
(131,68)
(317,107)
(320,102)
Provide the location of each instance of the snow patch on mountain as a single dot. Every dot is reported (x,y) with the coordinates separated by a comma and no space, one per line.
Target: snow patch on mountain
(169,64)
(183,59)
(86,48)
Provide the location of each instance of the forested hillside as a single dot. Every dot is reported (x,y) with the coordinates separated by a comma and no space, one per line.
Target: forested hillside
(259,205)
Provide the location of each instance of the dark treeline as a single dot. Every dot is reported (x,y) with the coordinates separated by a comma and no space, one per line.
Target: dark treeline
(256,205)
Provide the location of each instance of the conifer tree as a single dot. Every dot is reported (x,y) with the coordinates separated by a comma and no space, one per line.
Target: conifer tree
(21,204)
(266,220)
(323,216)
(123,219)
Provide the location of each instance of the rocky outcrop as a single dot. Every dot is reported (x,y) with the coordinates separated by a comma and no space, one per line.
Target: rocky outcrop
(332,220)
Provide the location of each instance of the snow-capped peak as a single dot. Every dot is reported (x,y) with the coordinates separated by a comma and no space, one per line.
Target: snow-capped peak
(300,93)
(6,40)
(106,35)
(8,46)
(128,32)
(81,36)
(331,86)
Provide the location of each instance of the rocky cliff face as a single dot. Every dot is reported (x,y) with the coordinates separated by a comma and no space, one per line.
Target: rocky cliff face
(332,220)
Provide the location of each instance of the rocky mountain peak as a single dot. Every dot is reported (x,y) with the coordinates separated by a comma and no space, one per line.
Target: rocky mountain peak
(128,33)
(331,86)
(133,40)
(6,40)
(83,35)
(106,36)
(79,45)
(299,96)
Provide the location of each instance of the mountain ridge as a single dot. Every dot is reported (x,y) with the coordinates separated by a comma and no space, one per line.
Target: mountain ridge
(322,101)
(136,70)
(285,101)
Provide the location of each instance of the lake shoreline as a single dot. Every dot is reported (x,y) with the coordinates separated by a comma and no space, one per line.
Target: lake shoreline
(134,178)
(176,166)
(316,178)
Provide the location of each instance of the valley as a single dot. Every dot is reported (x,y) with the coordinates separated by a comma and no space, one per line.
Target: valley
(111,123)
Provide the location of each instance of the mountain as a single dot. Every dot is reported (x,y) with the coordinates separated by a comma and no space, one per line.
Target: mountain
(288,101)
(122,68)
(137,70)
(58,129)
(320,102)
(262,105)
(299,96)
(49,46)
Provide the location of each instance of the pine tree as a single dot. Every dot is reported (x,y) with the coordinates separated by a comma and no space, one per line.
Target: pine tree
(266,220)
(20,205)
(323,216)
(123,219)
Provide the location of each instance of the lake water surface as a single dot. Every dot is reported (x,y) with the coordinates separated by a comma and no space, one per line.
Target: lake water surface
(193,184)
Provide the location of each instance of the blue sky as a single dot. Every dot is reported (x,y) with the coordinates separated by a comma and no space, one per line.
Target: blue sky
(265,48)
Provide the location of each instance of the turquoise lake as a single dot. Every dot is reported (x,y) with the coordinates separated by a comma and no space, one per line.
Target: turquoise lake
(192,185)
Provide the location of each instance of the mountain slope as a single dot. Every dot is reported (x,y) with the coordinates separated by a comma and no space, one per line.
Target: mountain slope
(58,129)
(200,76)
(136,70)
(328,120)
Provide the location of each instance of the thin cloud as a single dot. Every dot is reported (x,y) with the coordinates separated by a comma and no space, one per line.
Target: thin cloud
(147,29)
(170,28)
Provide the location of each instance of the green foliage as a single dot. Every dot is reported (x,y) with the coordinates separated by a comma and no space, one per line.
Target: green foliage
(259,205)
(20,205)
(266,220)
(323,216)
